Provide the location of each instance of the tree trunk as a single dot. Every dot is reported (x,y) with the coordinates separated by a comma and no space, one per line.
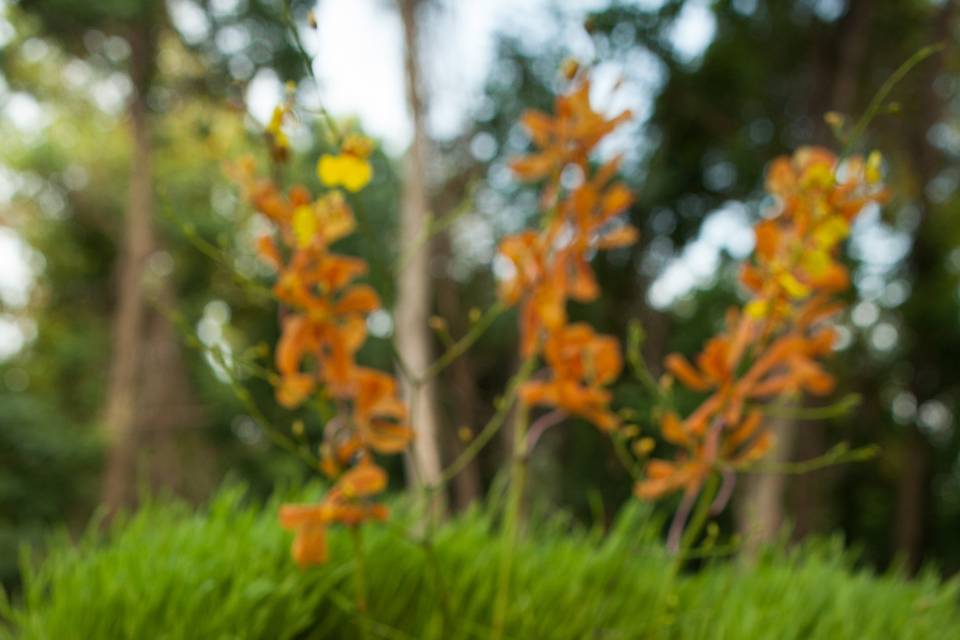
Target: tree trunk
(852,38)
(461,388)
(837,65)
(759,505)
(413,283)
(150,414)
(912,499)
(173,453)
(119,485)
(914,506)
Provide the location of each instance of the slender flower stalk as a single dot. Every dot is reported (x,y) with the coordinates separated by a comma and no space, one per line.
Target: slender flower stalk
(549,266)
(512,522)
(360,581)
(773,347)
(323,309)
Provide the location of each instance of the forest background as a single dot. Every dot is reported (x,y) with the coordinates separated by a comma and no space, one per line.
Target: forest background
(116,119)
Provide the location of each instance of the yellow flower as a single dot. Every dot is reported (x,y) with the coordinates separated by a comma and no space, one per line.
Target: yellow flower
(357,146)
(344,170)
(275,127)
(644,446)
(350,168)
(304,225)
(328,219)
(874,167)
(757,309)
(334,216)
(830,232)
(793,287)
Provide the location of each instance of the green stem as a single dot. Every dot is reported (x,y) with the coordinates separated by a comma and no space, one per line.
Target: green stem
(885,90)
(839,454)
(360,581)
(840,408)
(278,437)
(699,519)
(307,64)
(460,346)
(511,525)
(623,455)
(635,339)
(434,226)
(492,426)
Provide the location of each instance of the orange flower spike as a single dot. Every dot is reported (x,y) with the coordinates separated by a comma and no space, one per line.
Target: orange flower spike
(526,256)
(674,430)
(310,522)
(297,340)
(760,446)
(379,414)
(681,368)
(310,542)
(324,326)
(362,299)
(580,364)
(772,347)
(664,478)
(566,137)
(746,430)
(364,480)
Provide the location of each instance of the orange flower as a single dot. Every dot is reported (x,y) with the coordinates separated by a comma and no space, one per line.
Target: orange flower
(345,504)
(549,266)
(565,138)
(380,417)
(665,477)
(774,347)
(323,326)
(580,364)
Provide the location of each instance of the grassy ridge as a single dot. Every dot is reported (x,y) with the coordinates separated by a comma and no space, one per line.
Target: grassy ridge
(224,572)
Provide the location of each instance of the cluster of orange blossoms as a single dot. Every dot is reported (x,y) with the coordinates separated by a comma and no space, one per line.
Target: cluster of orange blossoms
(773,346)
(323,326)
(550,266)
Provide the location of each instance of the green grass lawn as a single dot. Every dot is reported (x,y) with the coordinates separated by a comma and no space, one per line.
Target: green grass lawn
(225,572)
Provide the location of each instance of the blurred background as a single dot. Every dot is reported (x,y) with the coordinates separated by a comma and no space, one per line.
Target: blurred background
(130,295)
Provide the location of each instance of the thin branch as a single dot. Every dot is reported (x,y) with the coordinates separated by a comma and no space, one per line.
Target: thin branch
(840,408)
(840,454)
(308,64)
(541,424)
(492,426)
(725,493)
(680,520)
(463,344)
(885,90)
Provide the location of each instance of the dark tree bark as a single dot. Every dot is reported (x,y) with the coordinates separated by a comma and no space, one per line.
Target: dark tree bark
(914,507)
(460,389)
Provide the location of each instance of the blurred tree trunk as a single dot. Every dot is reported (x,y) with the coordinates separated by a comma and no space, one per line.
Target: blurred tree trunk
(912,491)
(174,454)
(119,485)
(759,507)
(914,505)
(839,75)
(838,58)
(460,388)
(148,400)
(413,282)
